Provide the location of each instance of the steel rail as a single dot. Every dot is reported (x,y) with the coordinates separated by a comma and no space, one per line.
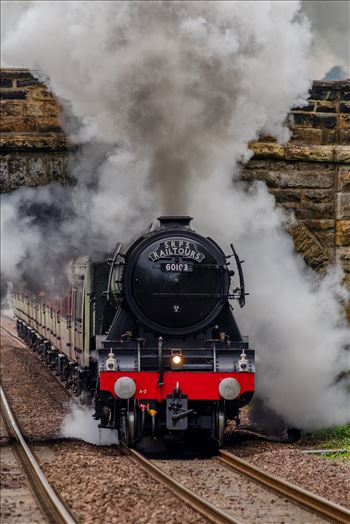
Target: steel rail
(314,503)
(15,337)
(199,504)
(48,501)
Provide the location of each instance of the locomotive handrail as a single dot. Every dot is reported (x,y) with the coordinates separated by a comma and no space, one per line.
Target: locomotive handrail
(213,266)
(203,295)
(220,346)
(241,291)
(113,262)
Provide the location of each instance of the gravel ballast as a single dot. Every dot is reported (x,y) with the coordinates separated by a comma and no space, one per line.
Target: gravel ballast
(235,494)
(328,478)
(101,484)
(38,400)
(104,485)
(17,504)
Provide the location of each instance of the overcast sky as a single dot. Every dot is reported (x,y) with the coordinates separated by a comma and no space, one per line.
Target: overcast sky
(330,21)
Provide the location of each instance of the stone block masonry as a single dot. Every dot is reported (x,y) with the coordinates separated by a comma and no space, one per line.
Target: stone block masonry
(34,149)
(309,176)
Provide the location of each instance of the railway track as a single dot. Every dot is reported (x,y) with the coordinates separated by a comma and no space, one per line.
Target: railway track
(203,506)
(11,335)
(325,509)
(208,510)
(51,506)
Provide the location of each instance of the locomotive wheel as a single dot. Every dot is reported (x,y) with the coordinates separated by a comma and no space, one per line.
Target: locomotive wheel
(86,397)
(131,420)
(128,429)
(220,421)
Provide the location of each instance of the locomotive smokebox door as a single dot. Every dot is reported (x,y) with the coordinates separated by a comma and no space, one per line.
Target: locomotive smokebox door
(175,281)
(177,413)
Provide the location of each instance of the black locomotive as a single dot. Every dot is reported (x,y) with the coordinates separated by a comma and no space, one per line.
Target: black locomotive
(171,362)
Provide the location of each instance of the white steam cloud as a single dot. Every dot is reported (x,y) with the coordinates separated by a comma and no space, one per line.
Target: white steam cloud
(163,98)
(80,424)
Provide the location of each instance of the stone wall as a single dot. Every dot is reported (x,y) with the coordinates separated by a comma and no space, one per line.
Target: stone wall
(309,176)
(33,147)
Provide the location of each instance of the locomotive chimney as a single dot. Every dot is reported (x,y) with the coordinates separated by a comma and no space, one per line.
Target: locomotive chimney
(175,222)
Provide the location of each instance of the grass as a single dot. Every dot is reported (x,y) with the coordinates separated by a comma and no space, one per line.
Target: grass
(334,438)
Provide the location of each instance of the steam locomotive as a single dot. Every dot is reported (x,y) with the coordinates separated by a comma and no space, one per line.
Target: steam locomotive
(149,336)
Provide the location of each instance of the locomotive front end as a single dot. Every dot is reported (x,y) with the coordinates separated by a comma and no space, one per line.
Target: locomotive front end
(173,362)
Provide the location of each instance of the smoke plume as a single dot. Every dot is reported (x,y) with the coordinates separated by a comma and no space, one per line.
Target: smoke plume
(162,99)
(79,424)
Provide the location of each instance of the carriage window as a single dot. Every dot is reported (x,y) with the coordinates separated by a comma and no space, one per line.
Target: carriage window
(78,297)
